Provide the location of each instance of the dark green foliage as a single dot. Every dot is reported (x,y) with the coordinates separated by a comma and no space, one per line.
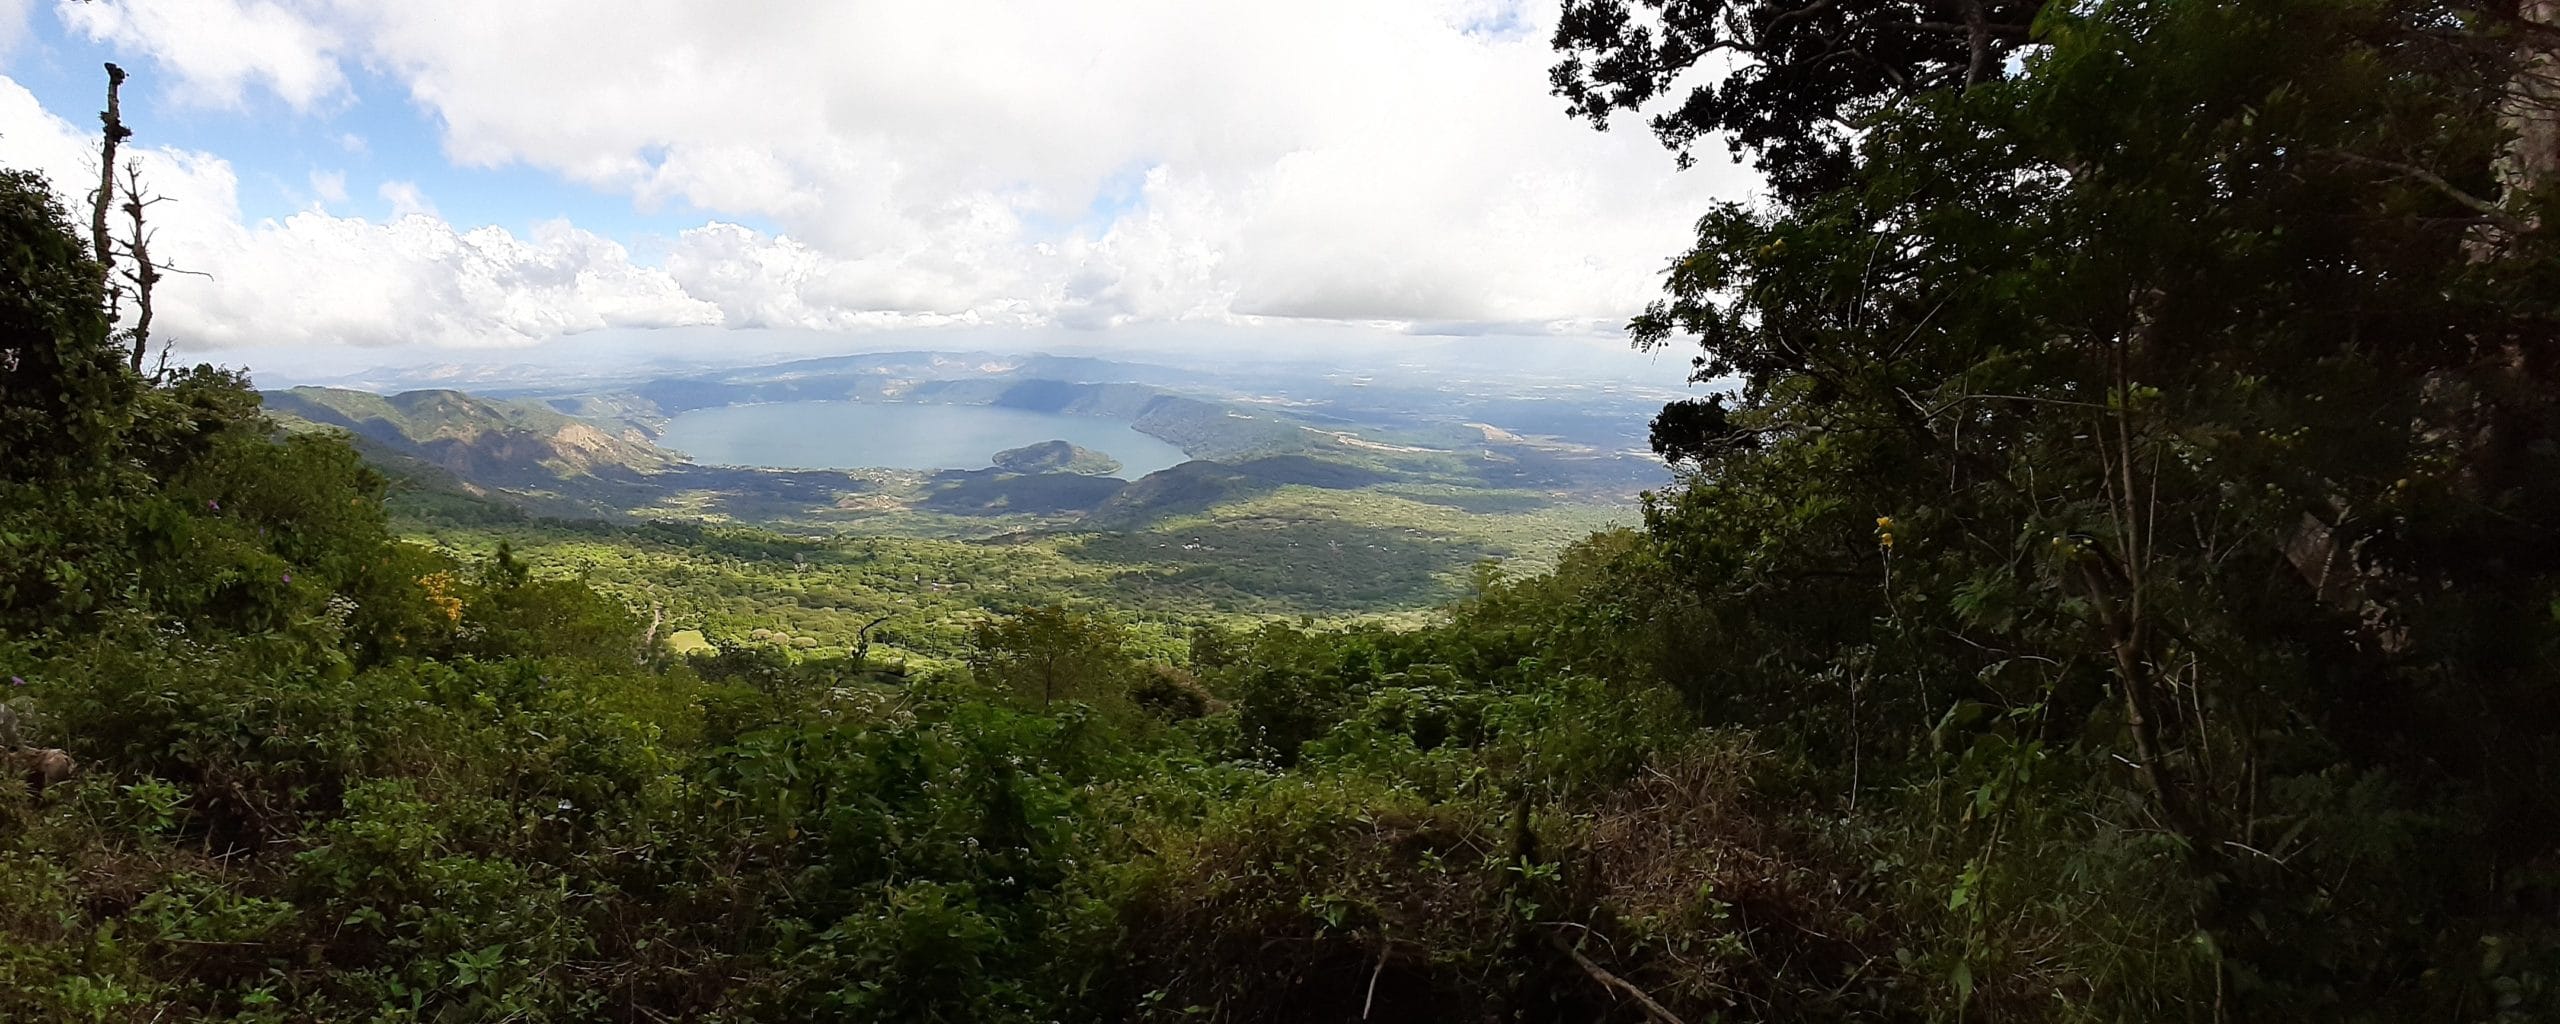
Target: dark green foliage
(60,385)
(1696,431)
(1056,457)
(1199,485)
(1804,73)
(1189,487)
(1170,694)
(925,861)
(2131,450)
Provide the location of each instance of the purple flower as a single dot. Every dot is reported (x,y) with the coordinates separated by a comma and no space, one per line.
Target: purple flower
(17,681)
(288,577)
(212,504)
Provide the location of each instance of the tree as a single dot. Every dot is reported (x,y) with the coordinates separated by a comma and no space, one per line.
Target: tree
(60,392)
(1052,653)
(2168,394)
(1806,74)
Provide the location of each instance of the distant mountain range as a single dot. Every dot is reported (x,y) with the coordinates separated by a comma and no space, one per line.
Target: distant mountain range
(596,452)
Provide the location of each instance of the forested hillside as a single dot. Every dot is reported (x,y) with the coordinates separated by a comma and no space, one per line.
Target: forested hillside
(2117,580)
(610,463)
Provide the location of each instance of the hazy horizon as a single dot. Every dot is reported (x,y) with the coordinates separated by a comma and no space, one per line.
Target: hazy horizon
(675,351)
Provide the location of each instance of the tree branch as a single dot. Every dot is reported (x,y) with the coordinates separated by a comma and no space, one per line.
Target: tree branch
(1977,32)
(1614,983)
(145,274)
(862,642)
(2431,179)
(1799,14)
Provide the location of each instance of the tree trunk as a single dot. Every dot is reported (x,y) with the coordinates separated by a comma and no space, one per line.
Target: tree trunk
(115,132)
(2531,113)
(145,274)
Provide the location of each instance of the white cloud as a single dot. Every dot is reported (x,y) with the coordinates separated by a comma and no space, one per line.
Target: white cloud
(406,200)
(219,49)
(417,280)
(13,23)
(973,161)
(1361,159)
(315,279)
(329,187)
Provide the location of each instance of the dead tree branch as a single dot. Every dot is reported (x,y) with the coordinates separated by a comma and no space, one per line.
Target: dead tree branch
(2496,214)
(862,641)
(144,275)
(1614,983)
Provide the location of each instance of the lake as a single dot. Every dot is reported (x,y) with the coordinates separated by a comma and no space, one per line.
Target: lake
(888,435)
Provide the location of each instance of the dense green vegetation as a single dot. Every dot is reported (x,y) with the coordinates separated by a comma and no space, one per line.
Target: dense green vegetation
(2122,587)
(1056,457)
(1283,554)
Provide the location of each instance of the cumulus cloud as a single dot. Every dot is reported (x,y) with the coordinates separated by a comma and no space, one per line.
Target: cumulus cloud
(13,23)
(220,49)
(416,280)
(329,186)
(406,200)
(314,278)
(1360,160)
(974,161)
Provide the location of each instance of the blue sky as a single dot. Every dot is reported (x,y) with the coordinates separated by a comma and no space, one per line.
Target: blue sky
(372,136)
(605,169)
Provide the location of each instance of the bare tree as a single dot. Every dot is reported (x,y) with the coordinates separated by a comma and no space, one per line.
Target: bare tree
(862,642)
(144,275)
(115,134)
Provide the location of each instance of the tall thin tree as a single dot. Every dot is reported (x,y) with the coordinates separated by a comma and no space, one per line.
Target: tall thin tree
(115,133)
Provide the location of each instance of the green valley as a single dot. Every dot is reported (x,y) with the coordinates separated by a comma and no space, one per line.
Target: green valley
(1301,513)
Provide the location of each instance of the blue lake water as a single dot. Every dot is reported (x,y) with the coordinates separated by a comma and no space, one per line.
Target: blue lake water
(888,435)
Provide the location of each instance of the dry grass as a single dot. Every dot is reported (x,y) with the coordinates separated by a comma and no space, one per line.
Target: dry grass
(1714,909)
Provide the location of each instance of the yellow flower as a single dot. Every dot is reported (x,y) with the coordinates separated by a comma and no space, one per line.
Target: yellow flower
(1885,540)
(439,587)
(1884,522)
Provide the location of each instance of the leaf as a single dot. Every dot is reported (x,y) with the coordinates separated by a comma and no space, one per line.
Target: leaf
(1963,892)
